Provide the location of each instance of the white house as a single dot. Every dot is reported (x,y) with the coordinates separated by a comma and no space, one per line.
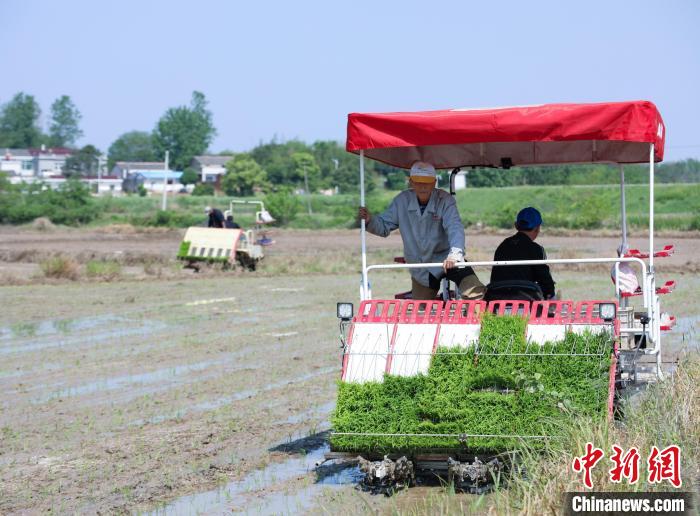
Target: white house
(47,165)
(104,184)
(50,162)
(17,163)
(32,164)
(210,168)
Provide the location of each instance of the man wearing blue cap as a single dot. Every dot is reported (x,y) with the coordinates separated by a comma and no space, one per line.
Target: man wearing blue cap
(528,282)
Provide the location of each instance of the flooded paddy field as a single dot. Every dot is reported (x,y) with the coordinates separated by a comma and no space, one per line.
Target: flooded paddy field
(211,393)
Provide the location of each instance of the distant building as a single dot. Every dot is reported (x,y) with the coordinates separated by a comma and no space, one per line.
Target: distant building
(50,162)
(153,181)
(17,163)
(123,169)
(210,168)
(104,184)
(30,165)
(47,166)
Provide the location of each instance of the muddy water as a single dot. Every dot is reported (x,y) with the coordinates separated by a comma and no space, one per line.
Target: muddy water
(225,400)
(125,381)
(263,491)
(171,376)
(687,331)
(118,328)
(321,411)
(219,402)
(111,467)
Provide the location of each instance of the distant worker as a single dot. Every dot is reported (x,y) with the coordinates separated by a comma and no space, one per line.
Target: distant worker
(228,222)
(432,232)
(216,218)
(527,282)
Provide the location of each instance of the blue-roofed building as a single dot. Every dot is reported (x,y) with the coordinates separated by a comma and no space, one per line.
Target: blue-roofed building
(124,168)
(153,180)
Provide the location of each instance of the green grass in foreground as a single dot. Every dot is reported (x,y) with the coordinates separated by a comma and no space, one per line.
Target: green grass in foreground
(484,392)
(677,207)
(668,413)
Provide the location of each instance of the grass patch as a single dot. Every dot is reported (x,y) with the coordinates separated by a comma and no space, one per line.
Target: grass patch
(582,207)
(60,267)
(668,413)
(492,390)
(106,270)
(568,207)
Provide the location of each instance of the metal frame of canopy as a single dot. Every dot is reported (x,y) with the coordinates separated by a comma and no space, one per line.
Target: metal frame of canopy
(649,292)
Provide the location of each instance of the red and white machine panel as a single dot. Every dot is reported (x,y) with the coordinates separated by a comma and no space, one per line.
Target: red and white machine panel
(414,339)
(369,341)
(549,321)
(399,337)
(586,317)
(461,324)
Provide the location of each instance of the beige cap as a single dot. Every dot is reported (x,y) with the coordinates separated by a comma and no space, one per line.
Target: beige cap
(423,172)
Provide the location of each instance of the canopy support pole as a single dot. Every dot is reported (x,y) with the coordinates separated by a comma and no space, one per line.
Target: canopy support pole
(623,245)
(623,208)
(654,307)
(651,208)
(364,291)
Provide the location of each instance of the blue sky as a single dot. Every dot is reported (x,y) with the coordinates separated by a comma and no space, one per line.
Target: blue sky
(295,69)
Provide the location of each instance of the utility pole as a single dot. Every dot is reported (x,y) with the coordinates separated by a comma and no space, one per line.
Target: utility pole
(308,193)
(335,162)
(165,181)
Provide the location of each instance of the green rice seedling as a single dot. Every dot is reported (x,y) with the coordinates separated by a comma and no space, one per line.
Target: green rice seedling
(184,249)
(24,329)
(485,398)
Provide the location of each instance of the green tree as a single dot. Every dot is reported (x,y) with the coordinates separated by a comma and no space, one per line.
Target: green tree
(64,130)
(276,159)
(243,174)
(131,146)
(185,131)
(19,122)
(203,189)
(70,204)
(189,176)
(397,180)
(83,163)
(283,205)
(305,169)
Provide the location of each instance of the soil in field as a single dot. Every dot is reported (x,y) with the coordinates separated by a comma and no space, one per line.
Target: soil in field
(187,392)
(150,252)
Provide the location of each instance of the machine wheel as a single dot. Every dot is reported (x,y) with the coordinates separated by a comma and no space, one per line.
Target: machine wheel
(246,261)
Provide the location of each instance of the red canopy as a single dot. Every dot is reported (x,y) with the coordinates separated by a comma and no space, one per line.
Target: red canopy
(611,132)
